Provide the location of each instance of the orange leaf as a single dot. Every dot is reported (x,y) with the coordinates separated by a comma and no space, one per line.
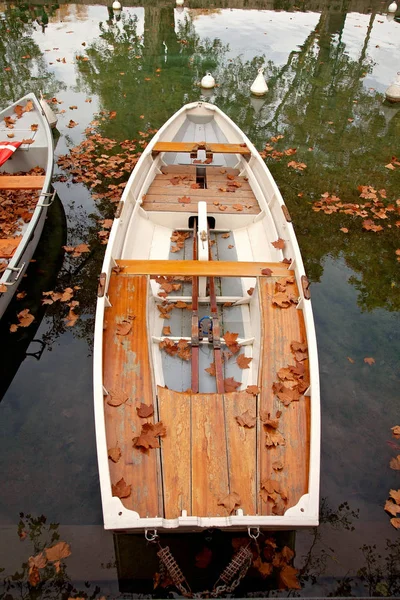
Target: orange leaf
(144,410)
(392,508)
(149,436)
(116,398)
(166,330)
(395,494)
(395,463)
(253,389)
(396,431)
(280,243)
(121,489)
(248,420)
(243,361)
(230,502)
(231,385)
(288,578)
(114,454)
(58,551)
(124,328)
(184,200)
(395,523)
(369,360)
(211,369)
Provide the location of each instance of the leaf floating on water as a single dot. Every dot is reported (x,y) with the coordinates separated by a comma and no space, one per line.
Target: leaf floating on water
(57,552)
(230,502)
(264,568)
(288,578)
(395,494)
(72,124)
(395,463)
(392,508)
(396,431)
(369,360)
(121,489)
(395,522)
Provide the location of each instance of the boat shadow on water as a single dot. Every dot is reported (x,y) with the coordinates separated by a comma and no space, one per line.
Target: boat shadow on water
(41,276)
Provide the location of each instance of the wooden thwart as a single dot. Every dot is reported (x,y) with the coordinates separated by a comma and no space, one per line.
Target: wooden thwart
(202,268)
(21,182)
(195,146)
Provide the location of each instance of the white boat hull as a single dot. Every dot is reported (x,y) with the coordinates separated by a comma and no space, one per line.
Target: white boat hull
(142,233)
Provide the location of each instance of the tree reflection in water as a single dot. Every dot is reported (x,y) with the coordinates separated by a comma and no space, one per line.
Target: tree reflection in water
(44,574)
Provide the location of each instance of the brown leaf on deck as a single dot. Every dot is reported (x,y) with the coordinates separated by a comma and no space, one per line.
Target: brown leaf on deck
(266,272)
(123,328)
(230,502)
(253,389)
(166,330)
(114,454)
(116,398)
(121,489)
(230,340)
(184,200)
(246,420)
(149,436)
(145,410)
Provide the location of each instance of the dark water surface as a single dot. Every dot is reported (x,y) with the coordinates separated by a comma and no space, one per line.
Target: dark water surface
(327,65)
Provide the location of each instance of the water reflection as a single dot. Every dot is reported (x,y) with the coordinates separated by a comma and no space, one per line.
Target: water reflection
(45,571)
(41,276)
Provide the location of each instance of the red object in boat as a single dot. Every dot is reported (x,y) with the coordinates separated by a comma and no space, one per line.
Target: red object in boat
(7,149)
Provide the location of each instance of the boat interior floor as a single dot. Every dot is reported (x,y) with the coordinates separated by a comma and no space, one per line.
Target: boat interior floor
(206,454)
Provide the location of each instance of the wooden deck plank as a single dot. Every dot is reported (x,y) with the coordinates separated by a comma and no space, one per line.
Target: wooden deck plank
(174,411)
(173,192)
(127,371)
(21,182)
(193,208)
(193,147)
(209,455)
(282,326)
(191,169)
(242,449)
(192,268)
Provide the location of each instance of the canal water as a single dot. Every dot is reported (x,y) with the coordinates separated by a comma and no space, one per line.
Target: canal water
(327,65)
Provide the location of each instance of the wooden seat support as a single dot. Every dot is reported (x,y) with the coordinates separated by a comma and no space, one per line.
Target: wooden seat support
(21,182)
(193,268)
(194,147)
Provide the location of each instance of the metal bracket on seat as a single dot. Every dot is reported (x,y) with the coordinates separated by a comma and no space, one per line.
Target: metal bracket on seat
(17,270)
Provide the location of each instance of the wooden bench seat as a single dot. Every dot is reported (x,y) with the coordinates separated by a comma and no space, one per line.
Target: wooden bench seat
(21,182)
(194,147)
(202,268)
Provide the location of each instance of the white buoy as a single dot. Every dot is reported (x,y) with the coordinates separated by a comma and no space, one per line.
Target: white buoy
(49,114)
(116,5)
(392,7)
(208,82)
(393,92)
(180,2)
(259,87)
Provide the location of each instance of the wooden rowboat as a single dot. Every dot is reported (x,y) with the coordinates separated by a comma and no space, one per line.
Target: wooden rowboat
(206,383)
(26,146)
